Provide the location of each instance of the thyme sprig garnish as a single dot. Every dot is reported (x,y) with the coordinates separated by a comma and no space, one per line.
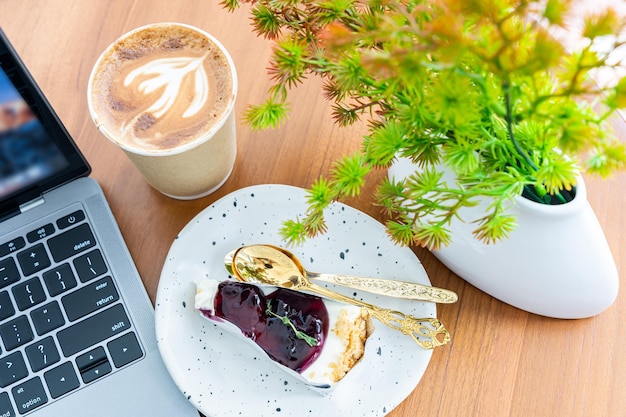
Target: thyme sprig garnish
(310,340)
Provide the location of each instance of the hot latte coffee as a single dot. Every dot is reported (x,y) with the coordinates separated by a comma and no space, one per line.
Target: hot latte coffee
(165,94)
(161,88)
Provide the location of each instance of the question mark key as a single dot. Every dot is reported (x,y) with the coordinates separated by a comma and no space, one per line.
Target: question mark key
(42,354)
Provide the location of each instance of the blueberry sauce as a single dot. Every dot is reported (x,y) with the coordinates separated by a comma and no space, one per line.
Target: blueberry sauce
(278,322)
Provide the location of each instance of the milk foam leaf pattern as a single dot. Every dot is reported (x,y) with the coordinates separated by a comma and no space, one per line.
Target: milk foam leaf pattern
(169,74)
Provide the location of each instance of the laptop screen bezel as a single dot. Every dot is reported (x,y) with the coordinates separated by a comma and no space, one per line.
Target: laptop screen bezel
(31,93)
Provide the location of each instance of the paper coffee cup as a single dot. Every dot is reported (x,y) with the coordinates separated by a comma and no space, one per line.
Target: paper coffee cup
(165,94)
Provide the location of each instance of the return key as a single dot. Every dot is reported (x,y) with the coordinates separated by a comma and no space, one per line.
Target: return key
(90,298)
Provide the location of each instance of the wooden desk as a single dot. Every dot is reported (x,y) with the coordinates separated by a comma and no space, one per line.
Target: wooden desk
(501,362)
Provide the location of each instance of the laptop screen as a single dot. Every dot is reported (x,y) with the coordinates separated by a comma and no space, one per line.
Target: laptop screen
(36,152)
(27,153)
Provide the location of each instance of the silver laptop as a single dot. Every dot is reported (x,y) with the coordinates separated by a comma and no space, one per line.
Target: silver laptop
(76,325)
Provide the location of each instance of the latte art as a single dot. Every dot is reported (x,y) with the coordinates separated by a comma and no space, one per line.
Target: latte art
(165,94)
(162,88)
(168,74)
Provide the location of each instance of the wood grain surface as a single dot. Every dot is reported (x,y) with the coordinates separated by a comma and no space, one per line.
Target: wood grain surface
(501,362)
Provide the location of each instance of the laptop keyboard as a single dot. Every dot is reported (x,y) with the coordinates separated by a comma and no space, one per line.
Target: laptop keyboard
(62,321)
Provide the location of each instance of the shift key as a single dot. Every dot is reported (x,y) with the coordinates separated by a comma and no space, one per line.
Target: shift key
(93,330)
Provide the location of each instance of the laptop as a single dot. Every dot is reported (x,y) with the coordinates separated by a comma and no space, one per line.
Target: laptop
(77,333)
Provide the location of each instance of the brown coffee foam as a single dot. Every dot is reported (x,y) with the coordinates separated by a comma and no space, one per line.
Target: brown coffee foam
(116,104)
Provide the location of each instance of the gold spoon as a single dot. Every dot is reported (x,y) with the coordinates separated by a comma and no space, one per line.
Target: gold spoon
(265,265)
(387,287)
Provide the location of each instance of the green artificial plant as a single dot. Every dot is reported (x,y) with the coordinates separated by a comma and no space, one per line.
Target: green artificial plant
(480,87)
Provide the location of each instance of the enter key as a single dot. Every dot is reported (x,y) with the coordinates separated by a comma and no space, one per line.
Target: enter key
(90,298)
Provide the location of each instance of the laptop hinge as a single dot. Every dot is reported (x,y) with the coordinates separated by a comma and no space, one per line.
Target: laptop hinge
(31,204)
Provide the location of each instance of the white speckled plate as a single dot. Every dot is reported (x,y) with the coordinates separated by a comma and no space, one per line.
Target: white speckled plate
(224,377)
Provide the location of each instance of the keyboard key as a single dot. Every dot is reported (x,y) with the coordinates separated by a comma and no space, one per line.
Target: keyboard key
(6,408)
(91,359)
(90,266)
(96,372)
(8,272)
(47,318)
(12,369)
(71,242)
(16,333)
(94,329)
(29,293)
(71,219)
(6,306)
(29,395)
(42,354)
(90,298)
(59,279)
(125,349)
(93,365)
(40,233)
(61,380)
(12,246)
(33,259)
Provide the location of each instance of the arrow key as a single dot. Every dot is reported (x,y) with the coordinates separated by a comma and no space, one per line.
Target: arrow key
(96,372)
(93,364)
(91,359)
(61,380)
(124,349)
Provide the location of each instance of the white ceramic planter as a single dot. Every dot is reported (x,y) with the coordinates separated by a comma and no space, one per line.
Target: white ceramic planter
(557,262)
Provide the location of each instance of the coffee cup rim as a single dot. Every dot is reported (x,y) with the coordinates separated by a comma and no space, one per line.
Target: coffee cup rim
(187,146)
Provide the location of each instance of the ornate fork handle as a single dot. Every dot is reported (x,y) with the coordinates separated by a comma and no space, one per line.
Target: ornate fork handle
(427,336)
(390,287)
(418,328)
